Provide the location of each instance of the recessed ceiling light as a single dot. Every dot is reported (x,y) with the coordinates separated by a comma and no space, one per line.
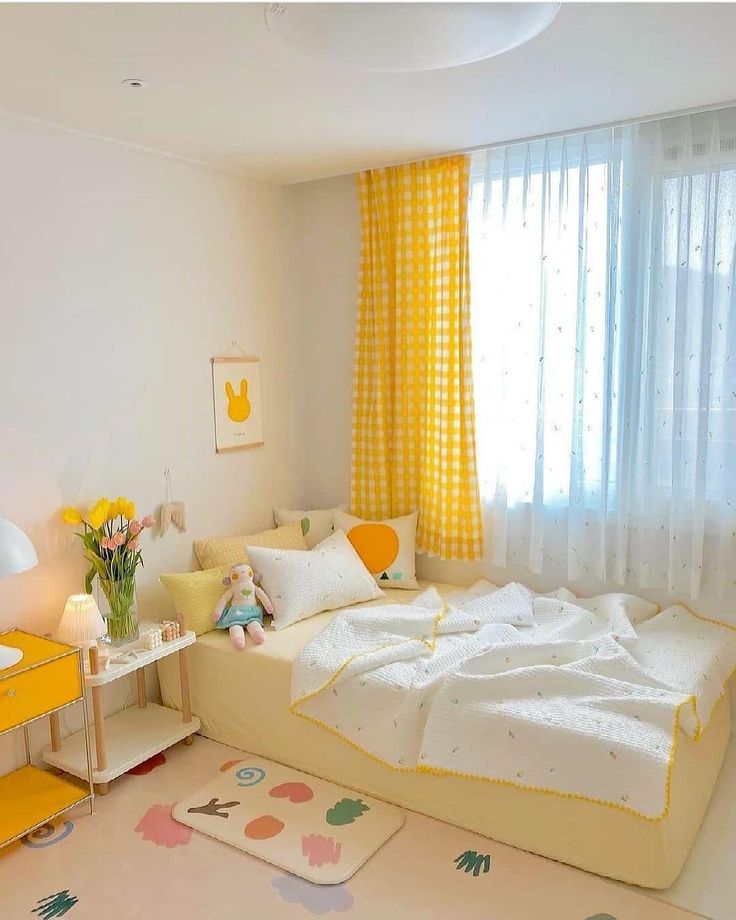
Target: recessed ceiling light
(407,36)
(135,83)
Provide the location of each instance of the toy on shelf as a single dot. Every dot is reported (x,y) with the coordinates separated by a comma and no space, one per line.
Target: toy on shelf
(170,631)
(152,638)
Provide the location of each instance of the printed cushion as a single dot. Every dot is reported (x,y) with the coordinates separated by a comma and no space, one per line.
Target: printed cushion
(194,595)
(303,583)
(216,551)
(316,525)
(388,548)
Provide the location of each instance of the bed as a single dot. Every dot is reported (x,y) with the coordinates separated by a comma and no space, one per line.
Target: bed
(242,699)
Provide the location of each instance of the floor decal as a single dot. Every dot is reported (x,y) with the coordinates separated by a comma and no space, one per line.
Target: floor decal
(250,776)
(48,834)
(345,812)
(55,905)
(262,828)
(159,827)
(320,850)
(230,763)
(213,807)
(470,861)
(294,792)
(317,899)
(142,769)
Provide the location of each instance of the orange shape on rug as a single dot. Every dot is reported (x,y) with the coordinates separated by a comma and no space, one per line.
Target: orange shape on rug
(294,792)
(262,828)
(376,544)
(230,763)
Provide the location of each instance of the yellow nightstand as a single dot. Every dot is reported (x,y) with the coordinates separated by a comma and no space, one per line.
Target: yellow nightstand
(47,678)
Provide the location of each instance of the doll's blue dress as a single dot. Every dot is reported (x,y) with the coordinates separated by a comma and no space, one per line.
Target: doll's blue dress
(240,614)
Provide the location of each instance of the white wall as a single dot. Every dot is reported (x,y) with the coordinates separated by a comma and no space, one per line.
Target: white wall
(327,248)
(121,273)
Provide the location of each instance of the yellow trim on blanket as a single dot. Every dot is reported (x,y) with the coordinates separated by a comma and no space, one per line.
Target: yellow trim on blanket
(431,644)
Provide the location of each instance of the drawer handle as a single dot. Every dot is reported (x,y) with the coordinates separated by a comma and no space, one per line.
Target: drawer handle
(11,693)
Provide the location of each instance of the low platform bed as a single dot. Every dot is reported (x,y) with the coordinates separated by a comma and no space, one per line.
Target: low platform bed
(242,699)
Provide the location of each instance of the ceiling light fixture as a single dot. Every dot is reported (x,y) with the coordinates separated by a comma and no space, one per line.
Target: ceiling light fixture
(407,36)
(135,83)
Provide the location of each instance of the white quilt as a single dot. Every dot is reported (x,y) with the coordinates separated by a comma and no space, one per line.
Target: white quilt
(580,697)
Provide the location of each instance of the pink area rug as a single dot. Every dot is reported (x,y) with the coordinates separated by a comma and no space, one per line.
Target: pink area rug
(132,861)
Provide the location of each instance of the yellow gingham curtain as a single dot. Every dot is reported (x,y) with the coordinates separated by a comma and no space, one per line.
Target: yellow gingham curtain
(413,413)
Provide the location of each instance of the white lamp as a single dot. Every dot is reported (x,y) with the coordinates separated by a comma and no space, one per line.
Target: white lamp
(16,555)
(81,622)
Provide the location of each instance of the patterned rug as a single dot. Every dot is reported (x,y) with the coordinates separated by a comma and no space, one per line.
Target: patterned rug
(305,825)
(132,861)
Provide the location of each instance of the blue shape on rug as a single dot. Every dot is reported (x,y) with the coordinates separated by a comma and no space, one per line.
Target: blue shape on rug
(47,835)
(317,899)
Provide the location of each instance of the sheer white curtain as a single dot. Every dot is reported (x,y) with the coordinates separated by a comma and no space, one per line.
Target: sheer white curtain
(604,335)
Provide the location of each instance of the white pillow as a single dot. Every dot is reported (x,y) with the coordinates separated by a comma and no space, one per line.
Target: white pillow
(302,583)
(388,548)
(317,525)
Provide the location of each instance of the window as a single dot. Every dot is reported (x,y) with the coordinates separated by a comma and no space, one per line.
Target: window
(602,269)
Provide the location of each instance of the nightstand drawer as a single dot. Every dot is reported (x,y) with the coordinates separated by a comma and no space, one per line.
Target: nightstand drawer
(37,690)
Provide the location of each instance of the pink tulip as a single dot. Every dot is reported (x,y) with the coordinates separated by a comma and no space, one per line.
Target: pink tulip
(135,528)
(118,539)
(105,543)
(148,520)
(133,545)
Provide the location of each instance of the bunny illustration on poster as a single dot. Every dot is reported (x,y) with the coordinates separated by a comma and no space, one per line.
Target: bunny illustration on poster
(238,407)
(236,391)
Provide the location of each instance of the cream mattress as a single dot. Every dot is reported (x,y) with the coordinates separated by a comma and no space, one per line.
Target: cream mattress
(242,699)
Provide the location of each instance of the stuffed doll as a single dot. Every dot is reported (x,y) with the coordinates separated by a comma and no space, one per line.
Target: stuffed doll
(238,610)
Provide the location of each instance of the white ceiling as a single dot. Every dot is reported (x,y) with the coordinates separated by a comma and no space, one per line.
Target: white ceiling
(224,91)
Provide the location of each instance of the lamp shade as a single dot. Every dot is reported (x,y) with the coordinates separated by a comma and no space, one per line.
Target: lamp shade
(16,550)
(81,623)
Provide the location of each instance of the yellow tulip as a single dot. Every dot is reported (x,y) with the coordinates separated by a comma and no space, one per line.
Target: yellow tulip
(96,517)
(126,507)
(113,511)
(99,512)
(70,515)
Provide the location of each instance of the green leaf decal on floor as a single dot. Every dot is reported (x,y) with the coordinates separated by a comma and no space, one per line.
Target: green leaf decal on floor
(345,811)
(55,905)
(470,861)
(306,524)
(601,917)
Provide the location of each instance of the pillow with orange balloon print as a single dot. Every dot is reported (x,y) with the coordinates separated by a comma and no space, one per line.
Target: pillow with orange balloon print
(387,548)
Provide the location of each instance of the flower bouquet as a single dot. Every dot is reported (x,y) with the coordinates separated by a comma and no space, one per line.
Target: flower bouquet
(111,539)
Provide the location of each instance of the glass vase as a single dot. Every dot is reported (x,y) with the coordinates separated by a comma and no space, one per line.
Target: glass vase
(120,609)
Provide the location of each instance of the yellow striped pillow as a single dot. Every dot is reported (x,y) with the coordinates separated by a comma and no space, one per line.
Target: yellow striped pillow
(194,595)
(216,551)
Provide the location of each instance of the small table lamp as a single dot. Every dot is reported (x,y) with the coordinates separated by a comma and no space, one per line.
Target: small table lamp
(16,555)
(81,622)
